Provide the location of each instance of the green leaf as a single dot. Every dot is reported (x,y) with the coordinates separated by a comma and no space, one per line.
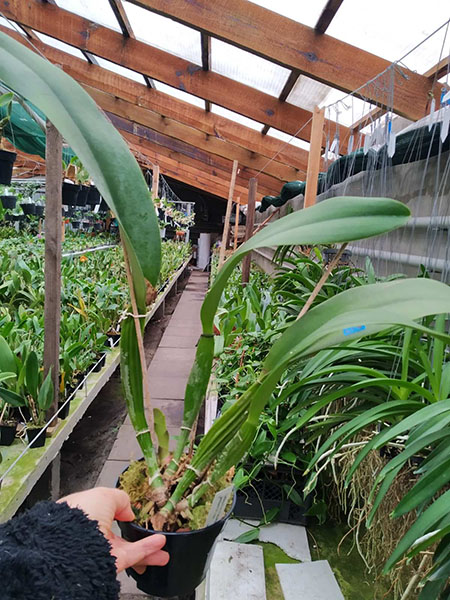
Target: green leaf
(248,536)
(161,433)
(45,396)
(97,143)
(12,398)
(32,375)
(7,358)
(6,376)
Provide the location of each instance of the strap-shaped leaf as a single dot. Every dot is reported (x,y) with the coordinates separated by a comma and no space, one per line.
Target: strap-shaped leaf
(100,147)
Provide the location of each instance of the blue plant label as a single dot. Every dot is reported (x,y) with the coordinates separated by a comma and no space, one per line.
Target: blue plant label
(350,330)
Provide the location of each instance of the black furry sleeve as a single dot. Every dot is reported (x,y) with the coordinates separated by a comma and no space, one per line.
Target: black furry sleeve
(54,552)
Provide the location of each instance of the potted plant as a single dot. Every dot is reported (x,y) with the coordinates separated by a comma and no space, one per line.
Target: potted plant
(8,197)
(7,158)
(70,189)
(8,401)
(179,488)
(39,397)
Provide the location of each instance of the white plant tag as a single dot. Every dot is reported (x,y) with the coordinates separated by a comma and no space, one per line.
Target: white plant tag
(219,505)
(445,124)
(432,115)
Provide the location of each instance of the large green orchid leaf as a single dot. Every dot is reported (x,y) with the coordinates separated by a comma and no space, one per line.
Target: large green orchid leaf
(100,147)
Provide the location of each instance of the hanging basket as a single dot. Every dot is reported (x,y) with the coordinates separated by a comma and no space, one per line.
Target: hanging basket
(69,194)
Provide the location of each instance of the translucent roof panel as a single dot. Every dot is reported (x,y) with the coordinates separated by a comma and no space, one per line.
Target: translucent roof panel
(164,33)
(343,108)
(106,64)
(285,137)
(9,25)
(229,114)
(247,68)
(176,93)
(60,45)
(303,11)
(393,29)
(307,93)
(99,11)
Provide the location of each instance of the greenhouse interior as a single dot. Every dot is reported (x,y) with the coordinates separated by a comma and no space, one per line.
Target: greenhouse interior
(224,318)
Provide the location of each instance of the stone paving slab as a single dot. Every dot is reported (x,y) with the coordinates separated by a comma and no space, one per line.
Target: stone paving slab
(175,341)
(171,387)
(236,573)
(292,539)
(174,356)
(309,581)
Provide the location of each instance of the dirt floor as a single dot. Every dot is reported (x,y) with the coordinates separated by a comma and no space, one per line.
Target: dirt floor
(89,445)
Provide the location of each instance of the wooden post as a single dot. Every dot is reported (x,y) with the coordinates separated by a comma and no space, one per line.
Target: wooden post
(315,152)
(236,223)
(226,225)
(155,181)
(252,188)
(53,235)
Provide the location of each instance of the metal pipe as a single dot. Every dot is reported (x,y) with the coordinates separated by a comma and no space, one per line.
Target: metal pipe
(436,264)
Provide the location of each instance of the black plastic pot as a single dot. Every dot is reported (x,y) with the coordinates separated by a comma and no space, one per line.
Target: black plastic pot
(93,196)
(22,414)
(190,554)
(39,210)
(9,201)
(98,226)
(75,224)
(64,413)
(103,206)
(330,253)
(100,364)
(28,209)
(267,491)
(7,434)
(6,166)
(70,193)
(112,339)
(33,439)
(82,195)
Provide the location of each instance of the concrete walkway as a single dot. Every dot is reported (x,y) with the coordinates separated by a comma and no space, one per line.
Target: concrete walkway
(168,374)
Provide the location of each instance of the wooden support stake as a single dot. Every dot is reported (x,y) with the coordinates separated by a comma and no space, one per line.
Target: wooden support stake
(236,223)
(252,188)
(226,225)
(315,152)
(155,181)
(52,269)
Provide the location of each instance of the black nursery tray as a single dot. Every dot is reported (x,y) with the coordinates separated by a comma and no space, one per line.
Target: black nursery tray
(268,491)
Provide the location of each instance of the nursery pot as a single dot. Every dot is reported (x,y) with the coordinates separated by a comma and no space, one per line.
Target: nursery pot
(112,339)
(7,434)
(98,226)
(9,201)
(33,440)
(330,253)
(64,413)
(103,206)
(82,195)
(100,364)
(6,166)
(39,210)
(190,554)
(93,196)
(70,193)
(75,224)
(28,209)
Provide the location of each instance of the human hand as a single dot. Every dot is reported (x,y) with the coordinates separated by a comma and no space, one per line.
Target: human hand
(104,505)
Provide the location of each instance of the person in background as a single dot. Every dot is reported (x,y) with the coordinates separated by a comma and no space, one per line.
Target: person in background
(66,550)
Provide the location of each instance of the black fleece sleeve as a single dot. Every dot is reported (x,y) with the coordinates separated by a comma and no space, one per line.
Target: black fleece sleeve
(54,552)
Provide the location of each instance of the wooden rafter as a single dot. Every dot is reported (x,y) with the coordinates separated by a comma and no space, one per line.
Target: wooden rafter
(328,14)
(122,18)
(295,46)
(211,125)
(163,66)
(439,70)
(184,133)
(189,155)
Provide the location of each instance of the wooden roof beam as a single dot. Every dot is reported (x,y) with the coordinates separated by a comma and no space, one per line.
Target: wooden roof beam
(439,70)
(297,47)
(191,136)
(328,14)
(163,66)
(212,125)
